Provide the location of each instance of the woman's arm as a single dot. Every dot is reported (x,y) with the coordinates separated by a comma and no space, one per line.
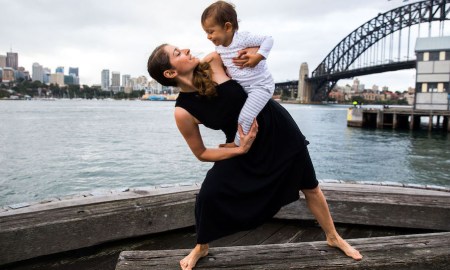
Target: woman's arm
(219,74)
(189,128)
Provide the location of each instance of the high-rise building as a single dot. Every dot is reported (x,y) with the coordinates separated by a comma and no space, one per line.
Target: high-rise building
(12,60)
(2,61)
(73,70)
(105,80)
(59,70)
(355,86)
(47,73)
(57,78)
(8,75)
(125,80)
(37,73)
(23,74)
(115,81)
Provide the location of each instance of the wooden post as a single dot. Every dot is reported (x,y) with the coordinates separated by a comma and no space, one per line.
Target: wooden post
(430,122)
(394,121)
(438,121)
(411,122)
(380,119)
(447,122)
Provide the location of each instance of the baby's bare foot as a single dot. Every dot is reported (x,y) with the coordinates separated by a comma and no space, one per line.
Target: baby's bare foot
(189,262)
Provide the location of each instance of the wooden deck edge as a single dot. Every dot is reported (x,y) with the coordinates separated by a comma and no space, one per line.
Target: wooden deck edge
(63,226)
(421,251)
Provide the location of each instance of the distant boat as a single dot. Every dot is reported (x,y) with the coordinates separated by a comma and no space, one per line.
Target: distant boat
(156,98)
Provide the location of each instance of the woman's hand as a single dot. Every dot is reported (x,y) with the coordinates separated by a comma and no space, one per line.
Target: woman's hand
(248,57)
(247,140)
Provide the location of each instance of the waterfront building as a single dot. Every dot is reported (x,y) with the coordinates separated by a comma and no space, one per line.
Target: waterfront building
(68,80)
(409,96)
(105,80)
(125,80)
(74,71)
(127,84)
(59,70)
(337,95)
(37,72)
(21,73)
(47,73)
(8,75)
(115,81)
(57,78)
(154,87)
(2,61)
(433,73)
(355,87)
(12,60)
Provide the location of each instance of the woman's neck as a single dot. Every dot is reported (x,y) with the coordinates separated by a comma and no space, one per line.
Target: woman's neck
(186,85)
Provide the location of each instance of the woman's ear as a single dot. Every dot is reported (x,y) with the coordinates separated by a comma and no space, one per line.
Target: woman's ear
(170,73)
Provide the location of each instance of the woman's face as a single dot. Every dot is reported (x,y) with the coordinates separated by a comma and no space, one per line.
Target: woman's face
(181,59)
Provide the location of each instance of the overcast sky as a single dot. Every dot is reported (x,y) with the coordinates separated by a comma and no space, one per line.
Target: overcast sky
(119,35)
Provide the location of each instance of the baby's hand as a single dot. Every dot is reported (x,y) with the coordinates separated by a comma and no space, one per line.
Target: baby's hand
(248,58)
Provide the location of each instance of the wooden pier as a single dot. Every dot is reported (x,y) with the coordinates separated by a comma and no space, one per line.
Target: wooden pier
(429,251)
(88,232)
(397,118)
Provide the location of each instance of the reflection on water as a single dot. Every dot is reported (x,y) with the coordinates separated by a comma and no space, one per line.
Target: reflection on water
(62,147)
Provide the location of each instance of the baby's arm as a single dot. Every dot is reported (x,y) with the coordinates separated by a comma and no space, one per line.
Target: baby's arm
(257,48)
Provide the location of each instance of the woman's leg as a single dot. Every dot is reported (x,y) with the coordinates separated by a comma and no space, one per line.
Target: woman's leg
(199,251)
(318,205)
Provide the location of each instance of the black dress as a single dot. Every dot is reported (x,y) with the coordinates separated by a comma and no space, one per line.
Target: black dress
(241,193)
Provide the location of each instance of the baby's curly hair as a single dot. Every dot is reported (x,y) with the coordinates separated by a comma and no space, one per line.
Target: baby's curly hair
(222,12)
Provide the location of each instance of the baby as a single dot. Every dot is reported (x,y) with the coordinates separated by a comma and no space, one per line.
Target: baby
(220,23)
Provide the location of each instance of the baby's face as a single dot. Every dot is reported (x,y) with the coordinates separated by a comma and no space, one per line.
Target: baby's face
(218,34)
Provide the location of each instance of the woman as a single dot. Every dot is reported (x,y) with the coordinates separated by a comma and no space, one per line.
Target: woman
(247,184)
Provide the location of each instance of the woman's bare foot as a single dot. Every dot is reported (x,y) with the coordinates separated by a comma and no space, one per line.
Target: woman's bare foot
(341,244)
(196,254)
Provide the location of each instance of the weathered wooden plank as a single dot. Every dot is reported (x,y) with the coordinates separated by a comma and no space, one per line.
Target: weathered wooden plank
(380,206)
(105,256)
(59,226)
(424,251)
(30,234)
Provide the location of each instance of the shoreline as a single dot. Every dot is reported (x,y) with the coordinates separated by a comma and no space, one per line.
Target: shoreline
(109,192)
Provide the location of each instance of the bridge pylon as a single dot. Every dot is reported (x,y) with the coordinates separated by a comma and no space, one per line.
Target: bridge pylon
(304,87)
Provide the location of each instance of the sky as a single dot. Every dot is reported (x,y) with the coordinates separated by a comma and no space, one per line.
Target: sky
(120,35)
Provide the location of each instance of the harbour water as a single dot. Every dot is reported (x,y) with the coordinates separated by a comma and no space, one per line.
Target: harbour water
(56,148)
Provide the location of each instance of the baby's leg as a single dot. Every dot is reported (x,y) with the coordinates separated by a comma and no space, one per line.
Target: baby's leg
(256,100)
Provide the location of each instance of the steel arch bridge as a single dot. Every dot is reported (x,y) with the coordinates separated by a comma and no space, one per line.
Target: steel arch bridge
(360,43)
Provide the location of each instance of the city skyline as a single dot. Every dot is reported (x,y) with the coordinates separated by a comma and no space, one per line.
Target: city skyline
(38,71)
(107,78)
(106,37)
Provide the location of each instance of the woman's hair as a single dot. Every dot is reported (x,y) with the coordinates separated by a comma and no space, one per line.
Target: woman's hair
(222,12)
(159,61)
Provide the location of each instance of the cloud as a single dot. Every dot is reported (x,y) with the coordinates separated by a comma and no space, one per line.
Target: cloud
(117,35)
